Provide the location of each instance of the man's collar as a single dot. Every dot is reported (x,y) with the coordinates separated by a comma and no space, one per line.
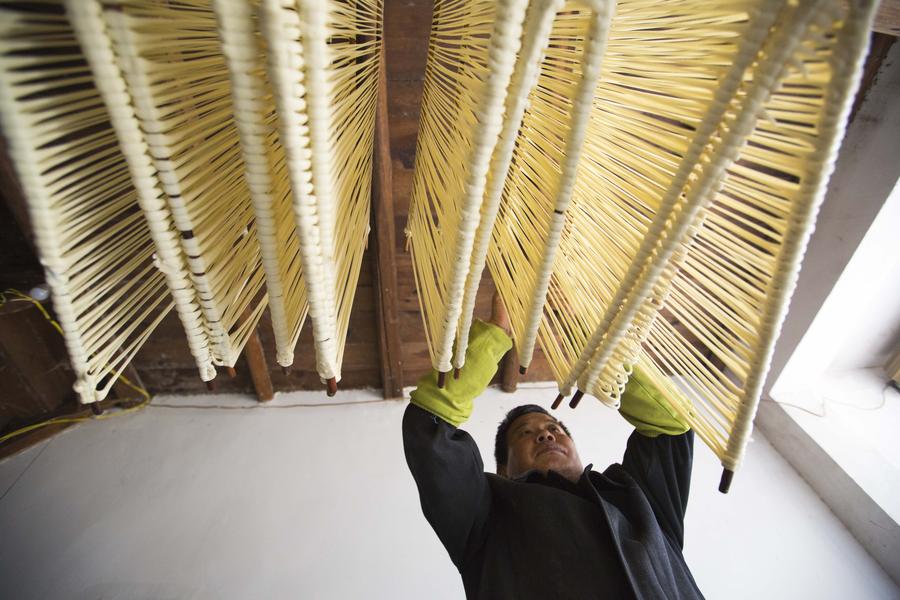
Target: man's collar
(552,479)
(589,485)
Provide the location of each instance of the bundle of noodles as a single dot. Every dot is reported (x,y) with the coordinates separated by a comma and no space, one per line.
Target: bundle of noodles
(96,248)
(471,59)
(720,256)
(473,135)
(648,227)
(726,301)
(172,63)
(322,60)
(662,69)
(92,33)
(265,171)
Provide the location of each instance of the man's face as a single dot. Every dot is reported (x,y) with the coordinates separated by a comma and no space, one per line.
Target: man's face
(537,441)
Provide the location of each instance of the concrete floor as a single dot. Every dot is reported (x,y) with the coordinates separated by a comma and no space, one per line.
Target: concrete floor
(316,502)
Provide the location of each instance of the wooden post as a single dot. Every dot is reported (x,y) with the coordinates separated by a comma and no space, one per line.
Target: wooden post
(887,19)
(383,251)
(259,370)
(509,378)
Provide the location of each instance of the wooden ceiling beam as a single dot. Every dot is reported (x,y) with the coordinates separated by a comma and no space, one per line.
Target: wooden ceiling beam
(887,19)
(259,369)
(383,251)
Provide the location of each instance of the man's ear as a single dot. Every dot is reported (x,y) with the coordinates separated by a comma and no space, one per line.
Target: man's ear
(501,471)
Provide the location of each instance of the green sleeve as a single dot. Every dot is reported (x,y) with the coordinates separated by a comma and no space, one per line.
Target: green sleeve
(487,345)
(644,406)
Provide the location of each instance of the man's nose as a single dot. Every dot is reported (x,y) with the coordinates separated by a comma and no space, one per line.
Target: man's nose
(546,436)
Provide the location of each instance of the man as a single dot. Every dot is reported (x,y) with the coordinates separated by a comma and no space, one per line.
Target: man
(543,526)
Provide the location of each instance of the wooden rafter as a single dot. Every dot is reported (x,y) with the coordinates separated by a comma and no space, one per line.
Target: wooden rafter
(259,369)
(887,19)
(383,251)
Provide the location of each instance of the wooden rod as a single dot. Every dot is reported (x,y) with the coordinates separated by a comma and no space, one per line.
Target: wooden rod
(557,401)
(725,482)
(576,398)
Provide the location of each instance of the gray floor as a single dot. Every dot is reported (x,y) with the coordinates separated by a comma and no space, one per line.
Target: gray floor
(316,502)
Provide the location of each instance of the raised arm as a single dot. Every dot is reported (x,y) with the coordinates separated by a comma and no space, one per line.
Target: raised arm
(659,454)
(444,460)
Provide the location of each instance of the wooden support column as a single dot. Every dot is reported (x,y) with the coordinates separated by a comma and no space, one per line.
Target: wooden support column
(887,19)
(383,249)
(509,375)
(259,369)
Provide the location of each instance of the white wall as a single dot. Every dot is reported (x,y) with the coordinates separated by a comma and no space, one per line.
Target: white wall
(844,315)
(858,324)
(865,174)
(318,503)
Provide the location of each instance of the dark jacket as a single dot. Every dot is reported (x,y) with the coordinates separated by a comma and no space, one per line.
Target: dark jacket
(616,534)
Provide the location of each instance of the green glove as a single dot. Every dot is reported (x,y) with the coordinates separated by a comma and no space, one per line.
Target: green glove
(644,406)
(487,345)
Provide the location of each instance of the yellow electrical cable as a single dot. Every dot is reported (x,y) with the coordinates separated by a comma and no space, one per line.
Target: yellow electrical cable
(23,297)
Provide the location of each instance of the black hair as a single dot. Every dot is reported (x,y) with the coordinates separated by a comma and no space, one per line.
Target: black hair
(501,448)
